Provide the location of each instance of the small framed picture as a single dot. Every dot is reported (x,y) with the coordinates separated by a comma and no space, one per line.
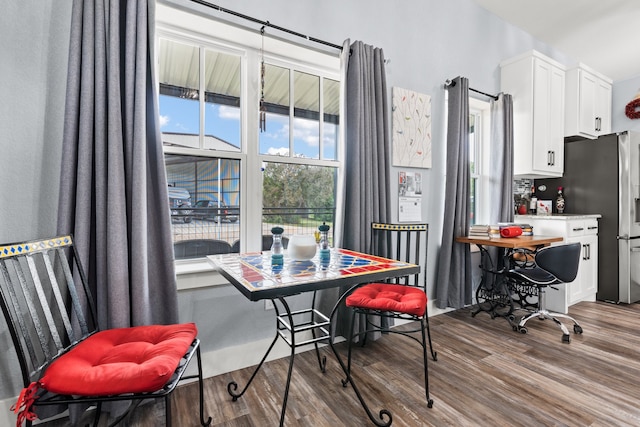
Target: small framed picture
(544,207)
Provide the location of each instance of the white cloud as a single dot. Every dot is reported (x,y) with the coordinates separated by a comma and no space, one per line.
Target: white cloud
(229,113)
(164,120)
(282,151)
(307,131)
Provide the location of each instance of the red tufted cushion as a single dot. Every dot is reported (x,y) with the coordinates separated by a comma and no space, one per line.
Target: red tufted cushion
(123,360)
(389,297)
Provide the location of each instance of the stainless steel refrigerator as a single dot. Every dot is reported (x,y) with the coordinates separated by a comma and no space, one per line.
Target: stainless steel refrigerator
(602,176)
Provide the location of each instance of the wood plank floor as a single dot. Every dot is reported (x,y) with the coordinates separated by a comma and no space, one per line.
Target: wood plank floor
(486,374)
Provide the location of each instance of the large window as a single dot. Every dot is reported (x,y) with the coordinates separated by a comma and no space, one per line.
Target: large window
(228,180)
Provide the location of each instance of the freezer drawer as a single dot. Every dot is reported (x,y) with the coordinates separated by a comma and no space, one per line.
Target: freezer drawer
(629,269)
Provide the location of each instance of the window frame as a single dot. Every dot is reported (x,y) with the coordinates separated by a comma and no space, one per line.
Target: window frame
(482,110)
(210,33)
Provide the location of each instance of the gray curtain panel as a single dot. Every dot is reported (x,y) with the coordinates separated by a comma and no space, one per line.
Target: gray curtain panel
(453,283)
(367,158)
(501,160)
(113,189)
(367,161)
(500,172)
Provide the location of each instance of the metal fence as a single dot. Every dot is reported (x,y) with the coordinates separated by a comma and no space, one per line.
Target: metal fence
(224,224)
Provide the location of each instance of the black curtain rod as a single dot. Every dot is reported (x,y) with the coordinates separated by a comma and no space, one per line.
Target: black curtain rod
(448,83)
(266,24)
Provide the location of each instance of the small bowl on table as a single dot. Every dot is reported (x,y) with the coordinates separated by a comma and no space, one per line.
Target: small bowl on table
(301,247)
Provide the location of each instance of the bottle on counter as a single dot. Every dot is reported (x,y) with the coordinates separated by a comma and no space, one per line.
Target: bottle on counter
(533,204)
(560,201)
(523,208)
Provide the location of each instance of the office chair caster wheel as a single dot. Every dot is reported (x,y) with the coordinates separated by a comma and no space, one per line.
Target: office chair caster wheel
(566,338)
(577,329)
(522,329)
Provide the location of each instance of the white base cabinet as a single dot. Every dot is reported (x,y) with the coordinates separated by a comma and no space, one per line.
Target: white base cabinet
(582,229)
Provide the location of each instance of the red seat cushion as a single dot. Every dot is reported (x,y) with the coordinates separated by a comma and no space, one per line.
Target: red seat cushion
(124,360)
(389,297)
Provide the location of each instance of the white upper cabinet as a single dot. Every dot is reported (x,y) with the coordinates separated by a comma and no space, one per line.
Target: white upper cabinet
(537,84)
(588,103)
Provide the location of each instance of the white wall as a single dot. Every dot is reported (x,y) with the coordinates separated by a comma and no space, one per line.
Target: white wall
(33,68)
(623,92)
(426,41)
(34,41)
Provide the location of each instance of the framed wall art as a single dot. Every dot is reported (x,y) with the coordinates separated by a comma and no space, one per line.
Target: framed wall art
(411,113)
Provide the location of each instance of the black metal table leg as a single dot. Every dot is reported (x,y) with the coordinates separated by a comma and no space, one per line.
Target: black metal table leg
(233,386)
(385,417)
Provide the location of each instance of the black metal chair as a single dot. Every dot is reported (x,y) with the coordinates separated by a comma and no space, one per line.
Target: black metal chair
(267,240)
(553,265)
(404,298)
(197,248)
(64,357)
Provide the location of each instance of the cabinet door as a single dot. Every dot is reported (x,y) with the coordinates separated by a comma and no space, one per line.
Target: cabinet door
(588,84)
(586,284)
(548,118)
(603,108)
(556,120)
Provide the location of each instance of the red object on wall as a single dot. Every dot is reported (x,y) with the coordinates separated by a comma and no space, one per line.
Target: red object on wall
(632,110)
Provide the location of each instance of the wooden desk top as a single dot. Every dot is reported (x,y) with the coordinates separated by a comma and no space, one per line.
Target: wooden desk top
(510,242)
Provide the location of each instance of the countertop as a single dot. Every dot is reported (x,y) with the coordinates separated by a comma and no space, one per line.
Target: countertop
(559,217)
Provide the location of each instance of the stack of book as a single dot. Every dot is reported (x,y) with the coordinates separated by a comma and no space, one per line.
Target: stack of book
(479,230)
(493,230)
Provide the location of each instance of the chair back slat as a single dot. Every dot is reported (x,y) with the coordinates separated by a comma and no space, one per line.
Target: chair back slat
(45,308)
(403,242)
(76,301)
(11,305)
(44,304)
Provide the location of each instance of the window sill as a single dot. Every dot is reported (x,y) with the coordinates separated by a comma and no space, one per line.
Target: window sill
(197,265)
(196,274)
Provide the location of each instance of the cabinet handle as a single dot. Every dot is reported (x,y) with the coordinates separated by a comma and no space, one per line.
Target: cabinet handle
(598,124)
(551,158)
(578,229)
(593,227)
(587,251)
(548,158)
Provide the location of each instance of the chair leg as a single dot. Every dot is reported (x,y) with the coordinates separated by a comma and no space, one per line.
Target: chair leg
(167,411)
(203,422)
(349,345)
(434,354)
(542,313)
(425,325)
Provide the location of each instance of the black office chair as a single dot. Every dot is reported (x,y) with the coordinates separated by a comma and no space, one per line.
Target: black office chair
(553,265)
(403,298)
(198,248)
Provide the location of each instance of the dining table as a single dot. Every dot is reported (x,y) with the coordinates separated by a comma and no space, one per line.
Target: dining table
(496,294)
(260,277)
